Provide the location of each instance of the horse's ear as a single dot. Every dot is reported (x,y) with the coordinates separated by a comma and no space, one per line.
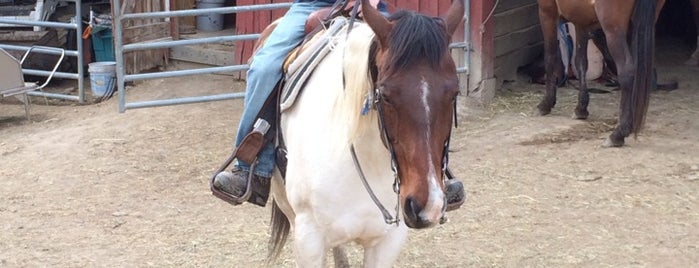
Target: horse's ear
(378,23)
(454,16)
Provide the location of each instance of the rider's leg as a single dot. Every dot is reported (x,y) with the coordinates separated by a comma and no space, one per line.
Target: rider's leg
(264,73)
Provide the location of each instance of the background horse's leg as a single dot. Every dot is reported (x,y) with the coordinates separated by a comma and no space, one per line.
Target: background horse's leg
(340,257)
(610,71)
(581,39)
(385,252)
(694,58)
(548,15)
(624,65)
(635,65)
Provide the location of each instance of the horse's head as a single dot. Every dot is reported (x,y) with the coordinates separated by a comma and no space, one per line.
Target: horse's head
(417,87)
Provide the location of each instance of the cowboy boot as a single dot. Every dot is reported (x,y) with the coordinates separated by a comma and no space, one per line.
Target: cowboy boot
(455,194)
(454,191)
(235,183)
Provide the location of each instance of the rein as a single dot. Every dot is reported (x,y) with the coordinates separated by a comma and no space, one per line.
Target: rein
(396,188)
(375,102)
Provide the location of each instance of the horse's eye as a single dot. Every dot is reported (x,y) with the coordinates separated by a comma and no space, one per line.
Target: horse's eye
(385,99)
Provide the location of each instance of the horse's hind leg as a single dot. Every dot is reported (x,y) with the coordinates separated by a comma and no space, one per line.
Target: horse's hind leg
(622,57)
(581,39)
(548,15)
(694,58)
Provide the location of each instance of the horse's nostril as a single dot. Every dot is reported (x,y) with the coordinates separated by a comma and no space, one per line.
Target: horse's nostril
(412,205)
(412,214)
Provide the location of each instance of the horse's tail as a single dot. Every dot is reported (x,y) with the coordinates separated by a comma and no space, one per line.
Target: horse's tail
(642,49)
(279,225)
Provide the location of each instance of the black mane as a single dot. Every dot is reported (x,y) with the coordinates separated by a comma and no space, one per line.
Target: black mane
(416,36)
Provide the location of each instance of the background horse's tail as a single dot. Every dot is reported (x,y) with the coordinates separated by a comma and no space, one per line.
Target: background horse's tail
(279,225)
(642,49)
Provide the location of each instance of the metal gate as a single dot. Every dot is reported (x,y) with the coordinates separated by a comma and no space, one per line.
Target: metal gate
(75,24)
(121,48)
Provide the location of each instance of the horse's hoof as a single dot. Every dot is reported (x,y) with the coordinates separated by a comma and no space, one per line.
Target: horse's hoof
(609,143)
(543,111)
(667,86)
(581,115)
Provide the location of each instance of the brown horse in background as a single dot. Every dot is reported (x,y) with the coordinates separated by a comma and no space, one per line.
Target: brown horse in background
(694,59)
(629,29)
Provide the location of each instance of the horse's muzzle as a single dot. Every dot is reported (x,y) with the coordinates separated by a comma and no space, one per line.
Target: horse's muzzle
(412,215)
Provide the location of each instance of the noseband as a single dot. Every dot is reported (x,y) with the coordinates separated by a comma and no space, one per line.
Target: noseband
(374,101)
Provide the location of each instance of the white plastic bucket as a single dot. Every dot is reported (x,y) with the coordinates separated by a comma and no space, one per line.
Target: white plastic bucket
(102,78)
(210,22)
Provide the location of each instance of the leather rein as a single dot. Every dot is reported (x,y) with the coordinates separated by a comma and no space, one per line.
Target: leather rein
(374,101)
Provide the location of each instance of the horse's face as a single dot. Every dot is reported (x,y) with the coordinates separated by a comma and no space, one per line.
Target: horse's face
(417,85)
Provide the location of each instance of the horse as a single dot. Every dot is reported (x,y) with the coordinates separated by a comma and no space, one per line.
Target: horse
(629,30)
(694,58)
(377,110)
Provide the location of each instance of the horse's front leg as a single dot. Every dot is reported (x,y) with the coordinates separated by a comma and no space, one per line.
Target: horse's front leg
(309,245)
(581,40)
(548,16)
(385,253)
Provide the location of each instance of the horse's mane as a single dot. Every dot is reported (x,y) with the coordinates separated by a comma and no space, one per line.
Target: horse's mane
(357,80)
(416,36)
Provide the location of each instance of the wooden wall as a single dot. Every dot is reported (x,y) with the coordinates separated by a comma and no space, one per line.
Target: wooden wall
(518,37)
(186,24)
(251,23)
(141,30)
(255,22)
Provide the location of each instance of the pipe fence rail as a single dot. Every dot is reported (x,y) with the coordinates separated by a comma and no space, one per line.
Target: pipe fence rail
(120,48)
(75,24)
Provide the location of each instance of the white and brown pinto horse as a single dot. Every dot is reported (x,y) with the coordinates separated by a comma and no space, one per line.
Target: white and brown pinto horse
(401,69)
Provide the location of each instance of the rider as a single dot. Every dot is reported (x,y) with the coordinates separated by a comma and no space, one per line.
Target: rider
(264,73)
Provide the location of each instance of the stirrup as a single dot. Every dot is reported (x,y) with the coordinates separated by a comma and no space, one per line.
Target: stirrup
(249,147)
(225,196)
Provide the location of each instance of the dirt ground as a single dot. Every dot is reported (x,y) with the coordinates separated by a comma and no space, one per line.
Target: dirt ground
(86,186)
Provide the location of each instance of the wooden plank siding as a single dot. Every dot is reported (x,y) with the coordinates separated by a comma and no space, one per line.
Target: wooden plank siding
(518,37)
(142,30)
(255,22)
(187,24)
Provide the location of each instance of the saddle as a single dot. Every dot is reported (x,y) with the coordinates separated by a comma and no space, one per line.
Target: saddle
(297,67)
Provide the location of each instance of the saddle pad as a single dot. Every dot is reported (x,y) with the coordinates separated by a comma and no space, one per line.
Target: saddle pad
(305,62)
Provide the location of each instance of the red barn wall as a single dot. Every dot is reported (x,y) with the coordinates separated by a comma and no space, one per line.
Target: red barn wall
(255,22)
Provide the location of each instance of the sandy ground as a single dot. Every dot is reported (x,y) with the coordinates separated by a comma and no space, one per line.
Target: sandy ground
(85,186)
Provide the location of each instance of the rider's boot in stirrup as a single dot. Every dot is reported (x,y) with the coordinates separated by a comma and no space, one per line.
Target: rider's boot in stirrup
(235,183)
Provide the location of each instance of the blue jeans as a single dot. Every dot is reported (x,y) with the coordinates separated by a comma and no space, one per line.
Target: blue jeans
(264,73)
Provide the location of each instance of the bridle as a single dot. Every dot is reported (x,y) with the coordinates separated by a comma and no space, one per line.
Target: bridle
(374,101)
